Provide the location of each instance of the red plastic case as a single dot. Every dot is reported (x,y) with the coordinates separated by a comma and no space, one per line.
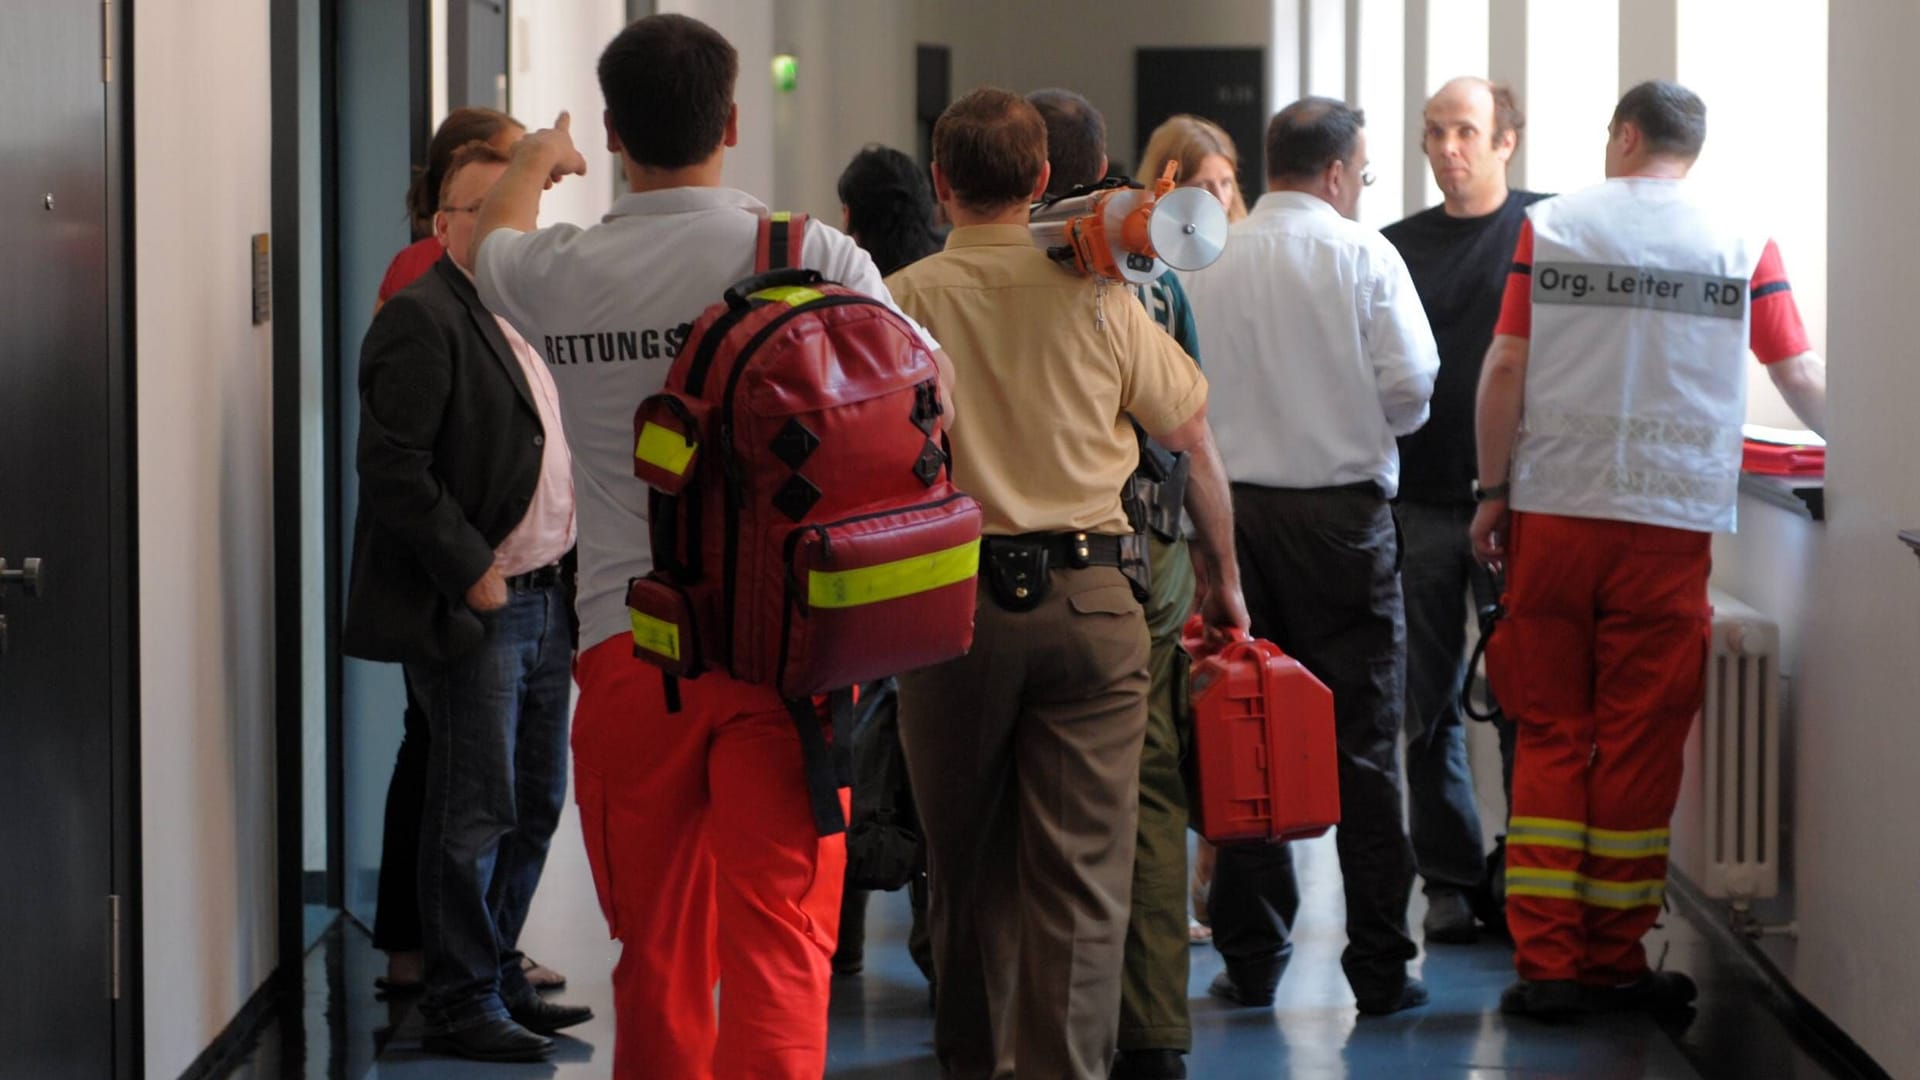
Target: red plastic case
(1264,763)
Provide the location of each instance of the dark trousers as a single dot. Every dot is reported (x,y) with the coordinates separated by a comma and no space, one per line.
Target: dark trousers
(1153,980)
(1319,571)
(496,779)
(396,922)
(1437,572)
(1025,760)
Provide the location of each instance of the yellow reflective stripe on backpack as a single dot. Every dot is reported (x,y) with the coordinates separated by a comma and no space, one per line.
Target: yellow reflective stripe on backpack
(890,581)
(657,636)
(664,448)
(781,217)
(790,295)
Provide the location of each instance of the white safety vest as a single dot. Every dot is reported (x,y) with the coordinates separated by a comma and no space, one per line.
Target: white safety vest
(1636,381)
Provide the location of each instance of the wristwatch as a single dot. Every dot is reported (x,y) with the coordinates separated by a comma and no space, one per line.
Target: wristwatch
(1488,494)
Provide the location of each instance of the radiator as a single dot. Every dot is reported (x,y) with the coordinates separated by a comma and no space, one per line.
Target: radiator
(1726,829)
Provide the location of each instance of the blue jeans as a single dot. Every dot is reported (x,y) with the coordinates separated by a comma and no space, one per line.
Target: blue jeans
(1438,574)
(496,779)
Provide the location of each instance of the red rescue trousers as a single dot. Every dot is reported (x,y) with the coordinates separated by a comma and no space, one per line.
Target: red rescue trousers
(709,869)
(1601,663)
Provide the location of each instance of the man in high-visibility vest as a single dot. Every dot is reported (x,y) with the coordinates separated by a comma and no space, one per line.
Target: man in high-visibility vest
(1609,419)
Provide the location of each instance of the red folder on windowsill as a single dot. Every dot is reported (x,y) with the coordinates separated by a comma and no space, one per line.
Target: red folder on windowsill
(1773,459)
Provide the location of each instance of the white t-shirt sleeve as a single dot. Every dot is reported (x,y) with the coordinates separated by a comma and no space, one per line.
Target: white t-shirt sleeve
(1399,342)
(838,258)
(514,269)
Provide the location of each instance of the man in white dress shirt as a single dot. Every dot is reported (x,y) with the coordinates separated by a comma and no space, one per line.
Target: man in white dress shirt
(1322,356)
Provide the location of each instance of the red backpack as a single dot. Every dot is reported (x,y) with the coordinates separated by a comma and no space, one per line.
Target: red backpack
(806,533)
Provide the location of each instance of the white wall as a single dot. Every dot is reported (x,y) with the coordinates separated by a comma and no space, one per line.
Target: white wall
(205,538)
(1858,873)
(1721,50)
(553,48)
(856,86)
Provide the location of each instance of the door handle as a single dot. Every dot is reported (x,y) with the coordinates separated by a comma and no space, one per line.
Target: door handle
(30,578)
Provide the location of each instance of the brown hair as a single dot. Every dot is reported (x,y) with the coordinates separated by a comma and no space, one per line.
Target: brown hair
(1190,140)
(992,147)
(468,124)
(1506,112)
(1076,139)
(474,153)
(668,82)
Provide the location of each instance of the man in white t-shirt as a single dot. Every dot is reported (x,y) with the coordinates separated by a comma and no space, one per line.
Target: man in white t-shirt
(692,796)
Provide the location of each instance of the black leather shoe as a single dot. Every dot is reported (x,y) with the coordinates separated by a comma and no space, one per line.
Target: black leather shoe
(1149,1065)
(1412,995)
(495,1040)
(1226,989)
(547,1017)
(1547,1000)
(1656,992)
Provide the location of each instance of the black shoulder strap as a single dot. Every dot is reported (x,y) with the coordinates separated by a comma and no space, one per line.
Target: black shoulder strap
(829,766)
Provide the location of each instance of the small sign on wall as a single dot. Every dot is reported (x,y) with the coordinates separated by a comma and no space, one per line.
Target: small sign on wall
(262,280)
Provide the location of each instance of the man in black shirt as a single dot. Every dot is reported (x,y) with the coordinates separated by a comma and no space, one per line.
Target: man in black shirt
(1459,254)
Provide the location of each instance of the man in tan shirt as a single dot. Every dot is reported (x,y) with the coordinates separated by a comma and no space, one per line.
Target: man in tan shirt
(1025,753)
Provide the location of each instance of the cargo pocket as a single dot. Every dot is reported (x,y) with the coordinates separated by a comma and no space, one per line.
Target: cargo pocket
(590,794)
(1540,668)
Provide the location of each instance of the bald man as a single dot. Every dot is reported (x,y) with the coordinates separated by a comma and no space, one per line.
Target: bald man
(1458,253)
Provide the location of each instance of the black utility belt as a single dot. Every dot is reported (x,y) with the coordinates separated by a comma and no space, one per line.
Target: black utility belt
(544,577)
(1016,567)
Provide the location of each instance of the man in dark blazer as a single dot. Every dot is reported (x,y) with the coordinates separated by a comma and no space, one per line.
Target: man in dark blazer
(465,518)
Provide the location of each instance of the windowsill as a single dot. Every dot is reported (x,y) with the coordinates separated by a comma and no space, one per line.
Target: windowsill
(1804,495)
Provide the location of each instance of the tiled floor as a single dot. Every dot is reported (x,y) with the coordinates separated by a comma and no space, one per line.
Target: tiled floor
(881,1028)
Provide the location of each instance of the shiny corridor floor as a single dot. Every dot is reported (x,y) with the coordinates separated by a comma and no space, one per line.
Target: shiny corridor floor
(880,1025)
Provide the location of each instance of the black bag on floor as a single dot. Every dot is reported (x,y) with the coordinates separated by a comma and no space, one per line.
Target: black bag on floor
(884,847)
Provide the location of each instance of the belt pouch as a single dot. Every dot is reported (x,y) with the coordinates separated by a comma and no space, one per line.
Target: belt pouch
(1170,500)
(1136,567)
(1016,572)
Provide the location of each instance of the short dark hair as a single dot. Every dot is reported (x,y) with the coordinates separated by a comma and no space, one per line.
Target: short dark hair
(1670,117)
(1076,139)
(474,153)
(1506,112)
(889,207)
(668,82)
(467,124)
(992,146)
(1309,135)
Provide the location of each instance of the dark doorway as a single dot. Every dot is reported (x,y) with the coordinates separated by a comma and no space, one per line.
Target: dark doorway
(1226,86)
(67,731)
(933,89)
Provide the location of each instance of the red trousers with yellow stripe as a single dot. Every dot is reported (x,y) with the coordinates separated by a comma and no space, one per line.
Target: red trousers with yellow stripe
(1601,663)
(709,869)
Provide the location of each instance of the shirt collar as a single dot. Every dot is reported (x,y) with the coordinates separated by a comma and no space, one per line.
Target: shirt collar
(989,236)
(681,200)
(1274,201)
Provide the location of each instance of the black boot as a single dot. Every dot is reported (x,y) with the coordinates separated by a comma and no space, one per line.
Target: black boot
(850,958)
(1149,1065)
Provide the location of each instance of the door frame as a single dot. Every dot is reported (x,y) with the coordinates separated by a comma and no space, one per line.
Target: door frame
(123,605)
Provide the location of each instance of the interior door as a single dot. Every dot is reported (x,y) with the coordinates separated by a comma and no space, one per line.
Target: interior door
(57,918)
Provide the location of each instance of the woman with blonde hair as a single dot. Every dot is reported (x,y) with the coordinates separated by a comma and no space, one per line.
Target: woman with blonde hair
(1206,156)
